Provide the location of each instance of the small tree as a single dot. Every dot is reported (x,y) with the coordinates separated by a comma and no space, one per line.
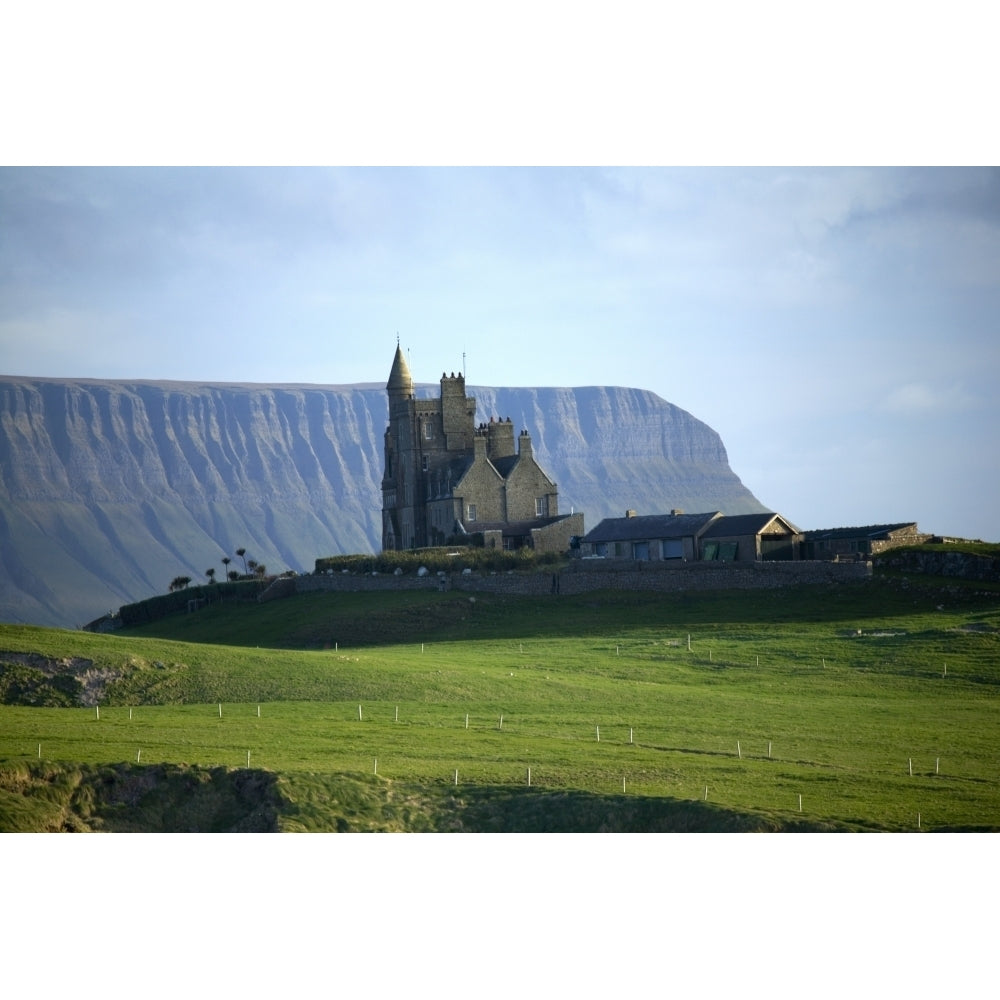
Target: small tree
(210,573)
(242,553)
(179,583)
(225,566)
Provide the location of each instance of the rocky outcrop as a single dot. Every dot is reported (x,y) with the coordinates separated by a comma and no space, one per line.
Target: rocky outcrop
(108,490)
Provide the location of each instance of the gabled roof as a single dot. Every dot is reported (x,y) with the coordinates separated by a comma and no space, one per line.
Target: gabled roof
(506,464)
(745,524)
(461,467)
(871,531)
(631,529)
(455,469)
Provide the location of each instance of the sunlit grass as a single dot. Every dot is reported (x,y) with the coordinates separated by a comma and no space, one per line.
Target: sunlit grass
(738,705)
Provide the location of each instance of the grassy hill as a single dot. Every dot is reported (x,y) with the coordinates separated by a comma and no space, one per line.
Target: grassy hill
(876,704)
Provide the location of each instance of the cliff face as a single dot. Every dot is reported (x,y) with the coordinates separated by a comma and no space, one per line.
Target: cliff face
(108,490)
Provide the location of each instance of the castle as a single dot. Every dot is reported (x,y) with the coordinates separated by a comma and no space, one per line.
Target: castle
(446,479)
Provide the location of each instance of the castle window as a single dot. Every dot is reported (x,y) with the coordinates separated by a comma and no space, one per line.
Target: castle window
(541,506)
(425,463)
(428,430)
(472,512)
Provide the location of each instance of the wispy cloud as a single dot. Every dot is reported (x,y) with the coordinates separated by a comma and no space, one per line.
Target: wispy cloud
(919,399)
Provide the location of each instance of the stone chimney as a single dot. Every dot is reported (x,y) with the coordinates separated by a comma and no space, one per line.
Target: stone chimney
(630,513)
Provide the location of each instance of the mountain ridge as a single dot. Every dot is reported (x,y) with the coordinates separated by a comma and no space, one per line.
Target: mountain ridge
(110,488)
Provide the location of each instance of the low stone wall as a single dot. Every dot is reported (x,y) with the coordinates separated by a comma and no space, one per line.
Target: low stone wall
(965,565)
(584,576)
(351,582)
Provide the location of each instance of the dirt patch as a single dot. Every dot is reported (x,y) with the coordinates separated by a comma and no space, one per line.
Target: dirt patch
(94,680)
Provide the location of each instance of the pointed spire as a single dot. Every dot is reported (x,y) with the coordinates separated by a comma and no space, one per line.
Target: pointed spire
(400,381)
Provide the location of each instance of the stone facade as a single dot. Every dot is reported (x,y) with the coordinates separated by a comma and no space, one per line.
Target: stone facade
(445,477)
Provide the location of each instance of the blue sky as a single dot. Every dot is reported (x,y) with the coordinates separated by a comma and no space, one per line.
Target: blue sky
(838,327)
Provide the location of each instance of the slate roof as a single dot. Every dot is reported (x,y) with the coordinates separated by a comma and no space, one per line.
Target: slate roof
(457,468)
(632,529)
(744,524)
(505,465)
(871,531)
(513,528)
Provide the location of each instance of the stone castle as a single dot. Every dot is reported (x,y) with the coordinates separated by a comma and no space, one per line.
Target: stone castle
(447,479)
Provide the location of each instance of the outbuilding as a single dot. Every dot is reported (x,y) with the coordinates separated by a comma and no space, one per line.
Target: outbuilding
(649,537)
(860,543)
(751,538)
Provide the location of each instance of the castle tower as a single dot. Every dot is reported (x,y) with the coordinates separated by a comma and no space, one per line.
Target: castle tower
(397,479)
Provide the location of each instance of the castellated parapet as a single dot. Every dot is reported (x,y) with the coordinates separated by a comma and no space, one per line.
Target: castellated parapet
(500,438)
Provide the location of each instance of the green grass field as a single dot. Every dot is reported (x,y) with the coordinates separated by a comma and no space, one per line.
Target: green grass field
(874,703)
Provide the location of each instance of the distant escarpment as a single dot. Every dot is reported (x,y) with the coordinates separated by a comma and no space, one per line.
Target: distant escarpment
(109,490)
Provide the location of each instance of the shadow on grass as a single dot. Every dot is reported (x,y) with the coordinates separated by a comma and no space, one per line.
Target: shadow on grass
(162,798)
(501,810)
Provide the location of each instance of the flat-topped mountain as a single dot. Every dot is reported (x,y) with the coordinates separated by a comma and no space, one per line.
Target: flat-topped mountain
(110,489)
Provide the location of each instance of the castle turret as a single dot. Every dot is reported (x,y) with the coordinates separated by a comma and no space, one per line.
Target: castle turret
(400,384)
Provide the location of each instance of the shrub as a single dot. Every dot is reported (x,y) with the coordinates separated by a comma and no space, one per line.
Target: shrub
(448,559)
(154,608)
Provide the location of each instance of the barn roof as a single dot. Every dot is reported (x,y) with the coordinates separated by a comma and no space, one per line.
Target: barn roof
(745,524)
(871,531)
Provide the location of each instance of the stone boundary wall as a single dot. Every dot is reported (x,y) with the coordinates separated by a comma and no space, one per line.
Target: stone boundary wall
(966,565)
(582,577)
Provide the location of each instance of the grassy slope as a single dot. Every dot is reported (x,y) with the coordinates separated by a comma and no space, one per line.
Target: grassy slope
(844,714)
